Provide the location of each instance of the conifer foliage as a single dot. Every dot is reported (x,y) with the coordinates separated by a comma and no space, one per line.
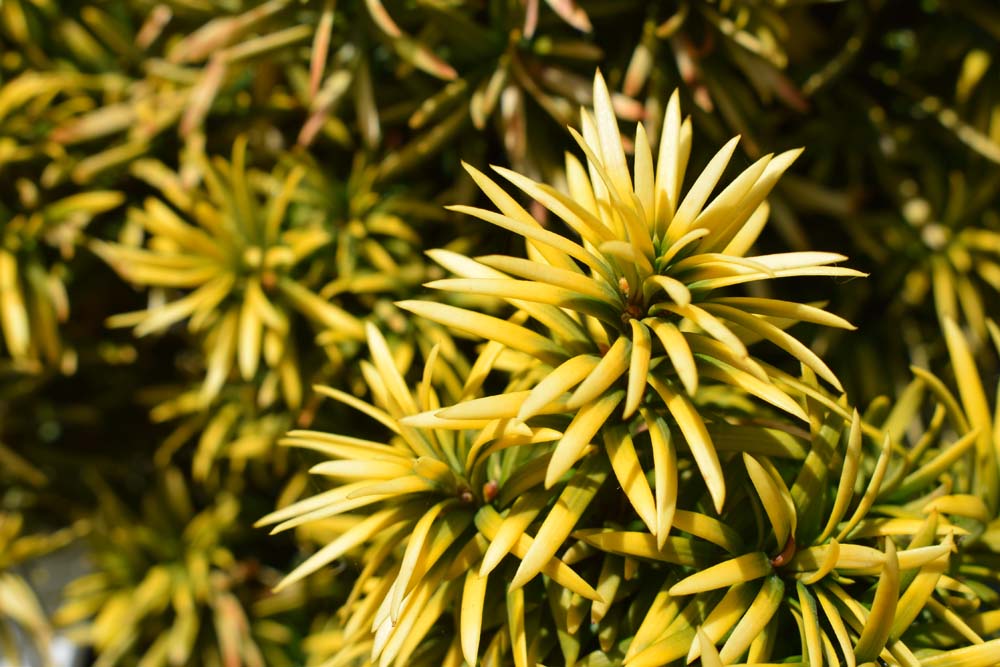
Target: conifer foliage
(507,333)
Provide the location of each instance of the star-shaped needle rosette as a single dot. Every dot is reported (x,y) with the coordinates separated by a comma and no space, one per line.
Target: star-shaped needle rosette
(635,296)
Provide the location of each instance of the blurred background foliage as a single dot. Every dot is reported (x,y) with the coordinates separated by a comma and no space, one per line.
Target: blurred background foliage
(204,201)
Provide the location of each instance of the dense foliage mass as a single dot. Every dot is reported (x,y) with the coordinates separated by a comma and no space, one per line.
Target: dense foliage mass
(578,332)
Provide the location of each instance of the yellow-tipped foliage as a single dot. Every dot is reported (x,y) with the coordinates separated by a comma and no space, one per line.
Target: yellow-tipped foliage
(437,518)
(634,298)
(237,261)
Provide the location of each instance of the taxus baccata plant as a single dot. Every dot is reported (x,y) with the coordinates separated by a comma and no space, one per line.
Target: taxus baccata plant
(651,308)
(233,432)
(706,528)
(38,238)
(241,263)
(621,425)
(235,252)
(170,590)
(860,570)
